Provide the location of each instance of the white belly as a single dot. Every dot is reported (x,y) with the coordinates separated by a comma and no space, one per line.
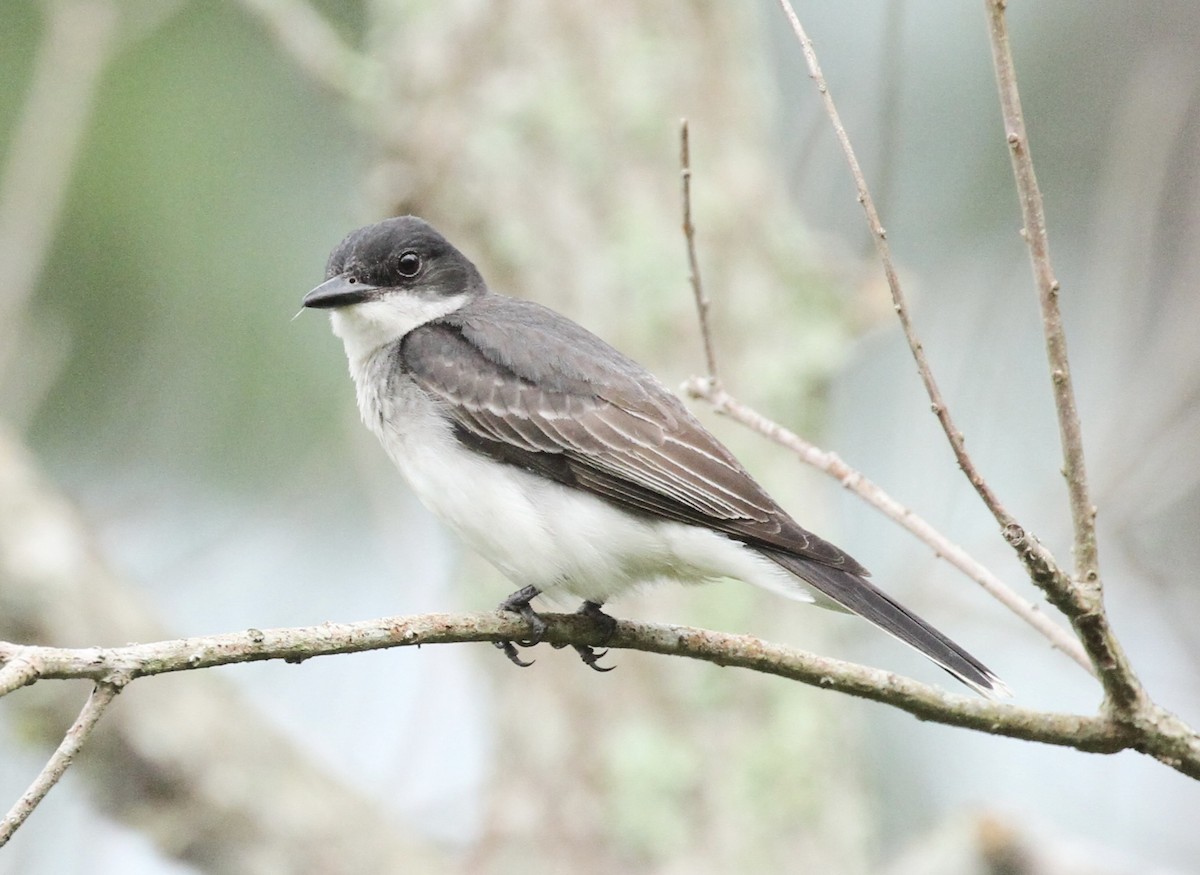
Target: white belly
(536,531)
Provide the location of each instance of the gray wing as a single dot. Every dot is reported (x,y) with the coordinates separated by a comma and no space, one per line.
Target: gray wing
(531,388)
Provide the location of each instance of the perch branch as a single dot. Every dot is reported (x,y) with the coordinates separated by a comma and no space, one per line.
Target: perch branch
(1161,735)
(19,672)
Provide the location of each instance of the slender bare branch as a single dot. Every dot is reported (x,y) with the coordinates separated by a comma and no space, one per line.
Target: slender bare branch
(19,671)
(957,443)
(1167,738)
(1034,233)
(860,485)
(689,235)
(101,696)
(1032,553)
(1043,568)
(1085,606)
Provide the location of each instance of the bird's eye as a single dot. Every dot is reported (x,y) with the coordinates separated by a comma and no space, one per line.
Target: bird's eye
(409,264)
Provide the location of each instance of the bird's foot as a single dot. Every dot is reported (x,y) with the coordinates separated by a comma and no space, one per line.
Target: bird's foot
(518,603)
(588,654)
(510,650)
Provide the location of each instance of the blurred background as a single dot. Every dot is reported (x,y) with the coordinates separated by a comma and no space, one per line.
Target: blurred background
(179,456)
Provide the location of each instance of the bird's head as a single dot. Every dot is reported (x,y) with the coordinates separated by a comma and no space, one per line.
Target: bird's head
(386,279)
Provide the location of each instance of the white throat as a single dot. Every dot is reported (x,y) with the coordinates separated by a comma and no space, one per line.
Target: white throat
(366,327)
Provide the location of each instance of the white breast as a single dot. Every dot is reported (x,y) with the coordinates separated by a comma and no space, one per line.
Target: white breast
(536,531)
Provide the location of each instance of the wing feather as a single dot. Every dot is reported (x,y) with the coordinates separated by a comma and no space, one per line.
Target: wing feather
(611,430)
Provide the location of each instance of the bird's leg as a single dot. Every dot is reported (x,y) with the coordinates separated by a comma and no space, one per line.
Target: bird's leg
(590,657)
(518,603)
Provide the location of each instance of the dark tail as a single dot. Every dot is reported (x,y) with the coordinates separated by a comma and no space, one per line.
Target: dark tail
(860,596)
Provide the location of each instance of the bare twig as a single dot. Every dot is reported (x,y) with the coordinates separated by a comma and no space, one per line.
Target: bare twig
(689,235)
(1034,233)
(711,390)
(1082,597)
(889,268)
(1039,562)
(102,695)
(1166,738)
(890,84)
(856,482)
(19,671)
(316,48)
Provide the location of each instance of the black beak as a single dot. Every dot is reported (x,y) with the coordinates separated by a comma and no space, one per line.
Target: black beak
(340,291)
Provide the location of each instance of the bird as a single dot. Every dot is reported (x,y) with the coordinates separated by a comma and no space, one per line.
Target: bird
(563,462)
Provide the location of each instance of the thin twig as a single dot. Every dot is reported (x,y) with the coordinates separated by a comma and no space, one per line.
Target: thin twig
(860,485)
(1034,232)
(19,671)
(689,235)
(1166,738)
(891,92)
(1085,609)
(710,390)
(1003,517)
(1041,564)
(102,695)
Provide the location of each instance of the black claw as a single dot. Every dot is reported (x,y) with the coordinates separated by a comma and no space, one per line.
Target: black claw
(593,611)
(511,652)
(518,603)
(590,657)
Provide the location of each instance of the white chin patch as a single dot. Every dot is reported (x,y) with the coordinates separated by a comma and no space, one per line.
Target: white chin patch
(365,327)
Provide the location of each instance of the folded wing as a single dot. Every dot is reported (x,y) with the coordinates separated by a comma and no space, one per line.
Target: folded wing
(530,388)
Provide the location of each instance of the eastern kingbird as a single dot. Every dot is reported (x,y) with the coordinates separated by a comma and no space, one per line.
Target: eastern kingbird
(564,463)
